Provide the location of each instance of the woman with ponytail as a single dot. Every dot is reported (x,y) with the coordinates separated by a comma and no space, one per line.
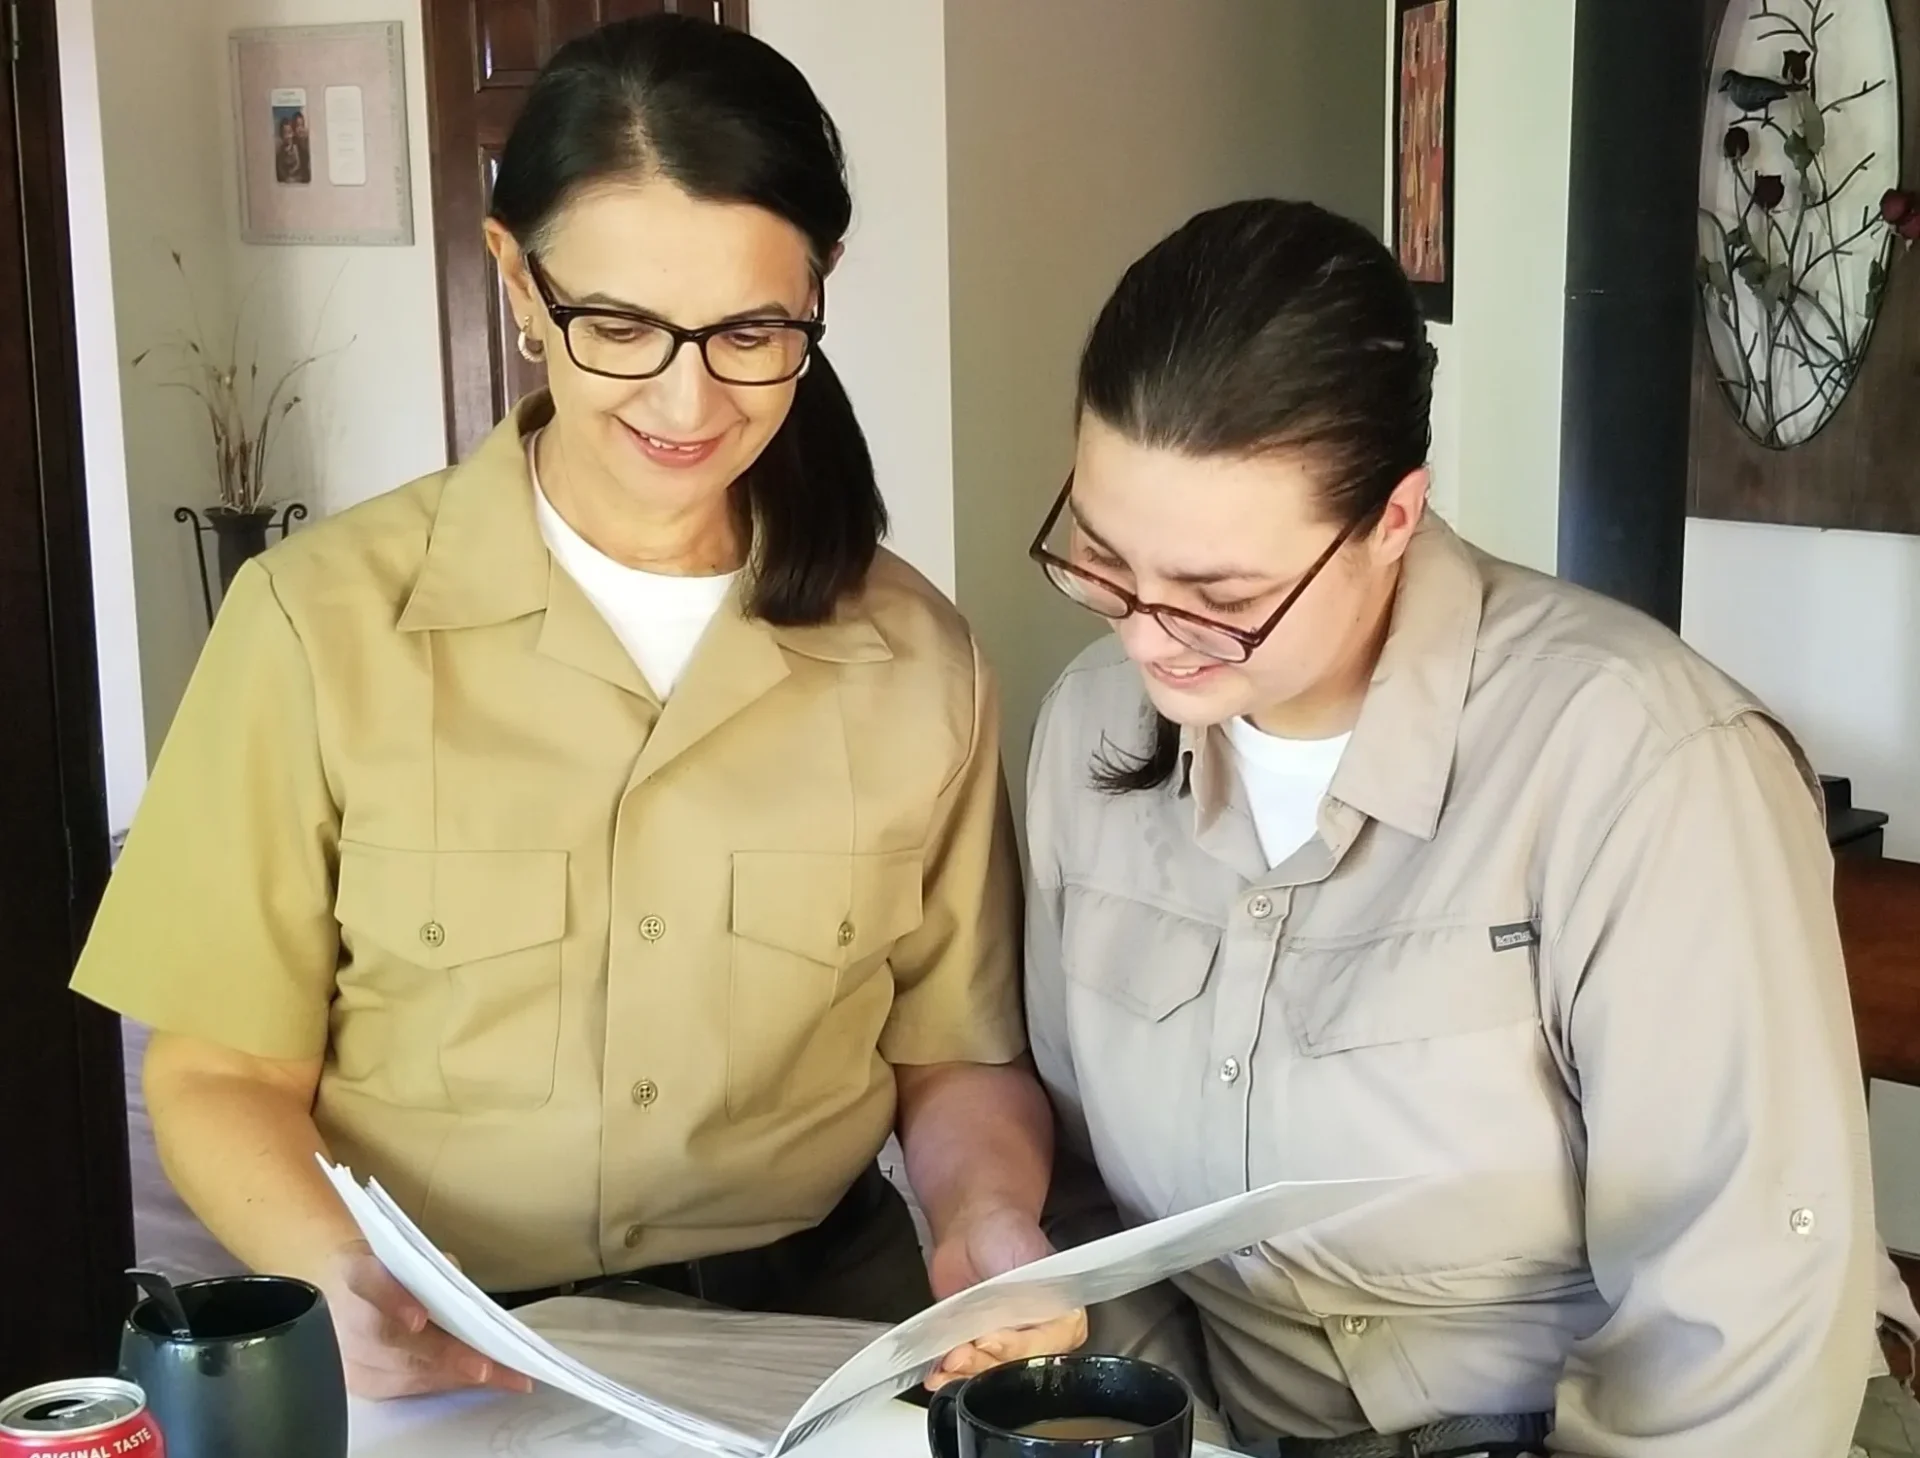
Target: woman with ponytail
(603,843)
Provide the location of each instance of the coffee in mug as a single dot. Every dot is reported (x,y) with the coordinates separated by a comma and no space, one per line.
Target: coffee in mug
(1079,1406)
(1081,1428)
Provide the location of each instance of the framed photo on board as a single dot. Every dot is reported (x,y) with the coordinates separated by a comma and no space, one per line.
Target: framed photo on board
(1424,46)
(320,125)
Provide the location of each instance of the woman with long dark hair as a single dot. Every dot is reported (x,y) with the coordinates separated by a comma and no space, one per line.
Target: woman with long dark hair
(602,843)
(1357,852)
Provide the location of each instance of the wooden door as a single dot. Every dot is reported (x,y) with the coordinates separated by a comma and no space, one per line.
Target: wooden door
(66,1226)
(482,56)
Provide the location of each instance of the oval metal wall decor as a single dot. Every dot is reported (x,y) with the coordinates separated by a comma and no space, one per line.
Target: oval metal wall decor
(1799,166)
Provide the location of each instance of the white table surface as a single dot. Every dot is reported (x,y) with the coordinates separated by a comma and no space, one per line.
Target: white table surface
(550,1424)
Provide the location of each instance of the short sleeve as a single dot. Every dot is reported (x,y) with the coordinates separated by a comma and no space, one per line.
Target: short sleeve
(956,976)
(218,920)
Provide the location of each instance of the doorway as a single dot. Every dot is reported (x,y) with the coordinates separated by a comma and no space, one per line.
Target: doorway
(65,1231)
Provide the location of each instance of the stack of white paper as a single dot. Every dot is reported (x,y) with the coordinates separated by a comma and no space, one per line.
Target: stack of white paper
(463,1309)
(734,1378)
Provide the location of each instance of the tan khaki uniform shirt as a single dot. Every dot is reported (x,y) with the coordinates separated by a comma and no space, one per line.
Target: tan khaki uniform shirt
(1566,939)
(599,984)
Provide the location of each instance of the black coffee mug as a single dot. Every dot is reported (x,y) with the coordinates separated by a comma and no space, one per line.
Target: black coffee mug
(1064,1407)
(260,1373)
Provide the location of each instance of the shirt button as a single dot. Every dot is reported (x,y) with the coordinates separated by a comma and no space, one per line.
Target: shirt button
(635,1234)
(1244,1251)
(1230,1070)
(846,934)
(1260,907)
(652,928)
(1801,1222)
(1354,1325)
(433,934)
(645,1092)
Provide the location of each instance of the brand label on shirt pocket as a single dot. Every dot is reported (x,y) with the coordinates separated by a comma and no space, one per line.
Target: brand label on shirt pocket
(1513,936)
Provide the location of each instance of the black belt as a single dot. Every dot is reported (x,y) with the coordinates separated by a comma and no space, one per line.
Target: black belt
(735,1278)
(1463,1437)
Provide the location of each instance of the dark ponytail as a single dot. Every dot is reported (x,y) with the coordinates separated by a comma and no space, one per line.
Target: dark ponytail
(1260,328)
(729,119)
(817,510)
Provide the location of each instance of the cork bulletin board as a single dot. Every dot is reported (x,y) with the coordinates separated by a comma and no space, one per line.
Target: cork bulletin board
(320,126)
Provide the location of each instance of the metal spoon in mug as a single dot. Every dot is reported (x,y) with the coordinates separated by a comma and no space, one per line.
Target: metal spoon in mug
(160,1290)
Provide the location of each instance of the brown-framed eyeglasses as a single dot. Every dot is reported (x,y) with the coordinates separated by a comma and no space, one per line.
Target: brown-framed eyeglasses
(624,345)
(1217,640)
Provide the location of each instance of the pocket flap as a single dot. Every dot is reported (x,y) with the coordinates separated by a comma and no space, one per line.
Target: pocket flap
(443,908)
(1144,957)
(1407,987)
(832,909)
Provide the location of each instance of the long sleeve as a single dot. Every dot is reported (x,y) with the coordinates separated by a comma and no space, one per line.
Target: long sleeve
(1046,995)
(1707,1031)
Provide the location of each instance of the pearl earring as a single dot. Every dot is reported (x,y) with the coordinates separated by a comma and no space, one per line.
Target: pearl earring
(531,352)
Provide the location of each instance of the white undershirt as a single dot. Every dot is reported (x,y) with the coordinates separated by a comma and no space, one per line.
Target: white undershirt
(657,618)
(1285,779)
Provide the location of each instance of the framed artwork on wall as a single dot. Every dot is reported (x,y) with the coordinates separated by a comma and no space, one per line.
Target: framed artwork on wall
(1424,47)
(320,126)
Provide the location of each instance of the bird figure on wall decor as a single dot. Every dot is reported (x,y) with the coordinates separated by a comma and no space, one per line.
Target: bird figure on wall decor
(1756,93)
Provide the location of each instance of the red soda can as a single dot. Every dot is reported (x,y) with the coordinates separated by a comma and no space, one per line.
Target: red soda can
(86,1417)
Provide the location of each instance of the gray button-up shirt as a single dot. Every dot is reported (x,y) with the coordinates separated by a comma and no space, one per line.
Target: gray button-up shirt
(1566,938)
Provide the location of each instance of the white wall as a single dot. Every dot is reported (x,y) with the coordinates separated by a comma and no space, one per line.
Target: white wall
(103,448)
(374,413)
(879,67)
(371,415)
(1825,627)
(1079,133)
(1496,425)
(160,81)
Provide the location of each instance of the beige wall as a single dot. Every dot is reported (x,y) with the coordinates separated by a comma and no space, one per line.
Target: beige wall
(158,128)
(371,417)
(1079,132)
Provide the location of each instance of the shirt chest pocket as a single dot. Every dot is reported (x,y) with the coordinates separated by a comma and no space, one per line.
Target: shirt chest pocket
(1148,960)
(454,978)
(1414,986)
(812,934)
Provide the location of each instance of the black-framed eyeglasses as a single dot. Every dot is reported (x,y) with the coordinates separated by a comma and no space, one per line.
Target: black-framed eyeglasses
(624,345)
(1221,641)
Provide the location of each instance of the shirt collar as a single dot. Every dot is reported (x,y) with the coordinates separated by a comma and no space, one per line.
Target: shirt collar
(1398,764)
(486,562)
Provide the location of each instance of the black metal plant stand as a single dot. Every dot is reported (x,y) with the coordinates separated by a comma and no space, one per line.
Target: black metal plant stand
(238,536)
